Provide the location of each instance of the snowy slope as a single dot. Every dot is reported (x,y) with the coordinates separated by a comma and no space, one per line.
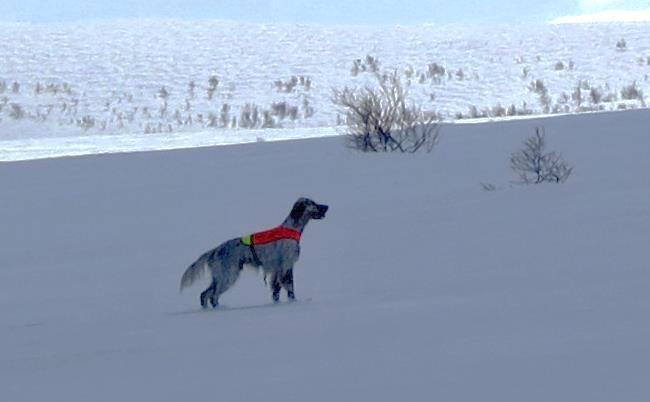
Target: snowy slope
(98,78)
(418,286)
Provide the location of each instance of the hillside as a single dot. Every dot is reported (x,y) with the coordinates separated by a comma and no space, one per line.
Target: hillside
(417,286)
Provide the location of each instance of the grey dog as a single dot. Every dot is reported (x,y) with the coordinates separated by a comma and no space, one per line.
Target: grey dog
(276,254)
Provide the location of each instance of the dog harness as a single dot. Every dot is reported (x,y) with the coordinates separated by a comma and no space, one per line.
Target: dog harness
(269,236)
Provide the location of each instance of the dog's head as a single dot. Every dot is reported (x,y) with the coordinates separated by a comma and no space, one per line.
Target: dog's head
(305,207)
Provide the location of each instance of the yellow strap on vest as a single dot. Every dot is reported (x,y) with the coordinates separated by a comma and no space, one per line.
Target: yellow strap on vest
(247,240)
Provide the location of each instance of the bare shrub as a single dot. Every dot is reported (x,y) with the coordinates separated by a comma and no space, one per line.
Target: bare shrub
(538,87)
(16,111)
(436,70)
(292,83)
(488,186)
(191,87)
(224,116)
(249,116)
(86,122)
(307,109)
(498,111)
(621,45)
(379,120)
(213,120)
(213,83)
(268,120)
(631,92)
(596,95)
(559,66)
(534,166)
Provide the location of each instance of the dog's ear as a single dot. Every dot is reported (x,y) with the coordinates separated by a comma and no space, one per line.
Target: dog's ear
(298,210)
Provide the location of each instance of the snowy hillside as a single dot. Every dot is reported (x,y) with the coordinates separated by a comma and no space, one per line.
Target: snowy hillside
(177,77)
(418,285)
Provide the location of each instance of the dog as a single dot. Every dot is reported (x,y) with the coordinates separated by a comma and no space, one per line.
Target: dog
(275,251)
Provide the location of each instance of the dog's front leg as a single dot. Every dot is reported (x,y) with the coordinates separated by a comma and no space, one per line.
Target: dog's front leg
(287,284)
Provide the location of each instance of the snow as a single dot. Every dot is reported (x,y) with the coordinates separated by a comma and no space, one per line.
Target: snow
(417,286)
(112,72)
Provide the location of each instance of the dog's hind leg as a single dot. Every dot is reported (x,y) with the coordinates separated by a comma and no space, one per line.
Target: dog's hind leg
(276,285)
(287,283)
(210,296)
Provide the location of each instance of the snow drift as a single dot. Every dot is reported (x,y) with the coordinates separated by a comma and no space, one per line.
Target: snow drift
(417,286)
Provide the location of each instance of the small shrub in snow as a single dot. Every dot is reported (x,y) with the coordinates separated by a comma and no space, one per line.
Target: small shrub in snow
(191,87)
(213,83)
(15,87)
(559,66)
(248,116)
(16,111)
(488,187)
(224,116)
(292,83)
(631,92)
(86,122)
(307,110)
(268,120)
(534,165)
(369,65)
(379,119)
(621,45)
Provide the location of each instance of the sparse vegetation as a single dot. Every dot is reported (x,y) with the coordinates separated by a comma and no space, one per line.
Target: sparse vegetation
(368,65)
(534,165)
(379,119)
(632,92)
(291,84)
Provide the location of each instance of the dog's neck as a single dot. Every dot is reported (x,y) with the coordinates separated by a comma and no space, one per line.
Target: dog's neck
(296,224)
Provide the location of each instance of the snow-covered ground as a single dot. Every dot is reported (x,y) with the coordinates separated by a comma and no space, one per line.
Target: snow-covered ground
(417,286)
(154,76)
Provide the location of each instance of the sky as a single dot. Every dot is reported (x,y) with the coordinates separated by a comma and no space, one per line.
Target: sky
(321,11)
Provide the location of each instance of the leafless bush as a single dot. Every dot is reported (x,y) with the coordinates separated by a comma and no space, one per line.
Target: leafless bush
(488,186)
(436,70)
(538,87)
(15,87)
(213,120)
(213,83)
(631,92)
(534,166)
(559,66)
(292,83)
(596,95)
(268,120)
(191,87)
(249,116)
(16,111)
(86,122)
(379,119)
(224,116)
(368,65)
(621,45)
(307,110)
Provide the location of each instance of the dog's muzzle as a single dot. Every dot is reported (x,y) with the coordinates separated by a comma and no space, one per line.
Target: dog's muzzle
(320,212)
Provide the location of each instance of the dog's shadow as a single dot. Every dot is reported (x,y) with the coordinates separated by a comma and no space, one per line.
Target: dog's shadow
(226,308)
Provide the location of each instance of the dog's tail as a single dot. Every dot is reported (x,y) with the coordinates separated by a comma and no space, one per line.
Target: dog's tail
(194,272)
